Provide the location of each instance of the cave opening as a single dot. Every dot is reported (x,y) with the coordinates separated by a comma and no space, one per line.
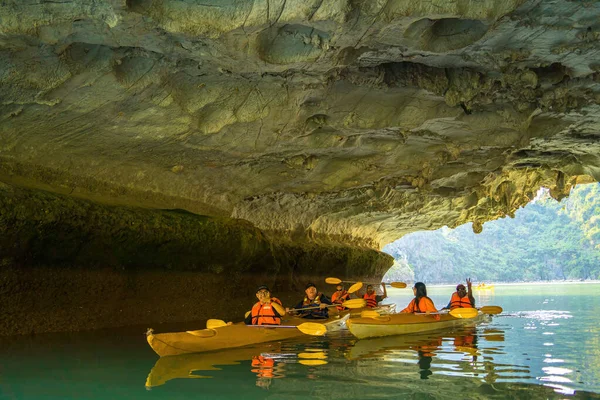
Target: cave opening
(547,240)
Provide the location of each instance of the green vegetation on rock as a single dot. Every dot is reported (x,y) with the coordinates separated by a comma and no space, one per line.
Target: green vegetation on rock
(546,240)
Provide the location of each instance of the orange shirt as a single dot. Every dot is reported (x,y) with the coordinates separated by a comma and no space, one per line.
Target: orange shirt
(425,304)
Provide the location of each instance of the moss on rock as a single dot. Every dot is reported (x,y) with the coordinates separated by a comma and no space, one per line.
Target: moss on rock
(71,264)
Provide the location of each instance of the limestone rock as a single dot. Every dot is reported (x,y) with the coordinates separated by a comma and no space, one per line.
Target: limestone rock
(332,121)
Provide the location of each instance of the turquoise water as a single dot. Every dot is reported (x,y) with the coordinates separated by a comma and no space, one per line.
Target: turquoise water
(546,344)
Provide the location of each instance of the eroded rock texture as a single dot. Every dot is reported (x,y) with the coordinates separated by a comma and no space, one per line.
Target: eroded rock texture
(70,264)
(331,123)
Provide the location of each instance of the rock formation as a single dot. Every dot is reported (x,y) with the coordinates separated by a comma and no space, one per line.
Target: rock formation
(302,124)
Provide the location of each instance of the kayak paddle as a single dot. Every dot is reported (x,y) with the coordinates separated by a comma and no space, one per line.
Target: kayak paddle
(464,312)
(335,281)
(369,314)
(492,310)
(355,288)
(308,328)
(353,303)
(216,323)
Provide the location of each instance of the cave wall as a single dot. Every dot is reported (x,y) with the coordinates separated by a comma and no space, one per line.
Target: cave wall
(331,127)
(71,264)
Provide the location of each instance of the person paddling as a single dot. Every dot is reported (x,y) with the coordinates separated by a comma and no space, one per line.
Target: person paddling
(461,298)
(340,296)
(372,297)
(267,311)
(313,298)
(421,303)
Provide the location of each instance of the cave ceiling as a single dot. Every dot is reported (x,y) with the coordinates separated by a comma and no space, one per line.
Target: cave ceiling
(347,120)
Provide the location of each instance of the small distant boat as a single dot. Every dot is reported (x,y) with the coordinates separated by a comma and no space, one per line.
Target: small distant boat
(483,286)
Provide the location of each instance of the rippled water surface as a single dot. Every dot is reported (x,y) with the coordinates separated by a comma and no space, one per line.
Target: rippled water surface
(546,344)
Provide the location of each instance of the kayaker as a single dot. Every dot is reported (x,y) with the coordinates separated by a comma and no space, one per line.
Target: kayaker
(340,296)
(421,303)
(372,297)
(461,298)
(313,298)
(267,311)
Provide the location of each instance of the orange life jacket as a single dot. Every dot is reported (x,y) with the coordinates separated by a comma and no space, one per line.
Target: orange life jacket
(425,304)
(340,298)
(371,300)
(459,302)
(264,314)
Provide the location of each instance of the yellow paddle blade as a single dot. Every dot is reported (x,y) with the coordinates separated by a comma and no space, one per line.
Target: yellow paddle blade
(355,303)
(215,323)
(205,333)
(312,362)
(464,312)
(247,313)
(318,355)
(333,281)
(492,310)
(369,314)
(312,328)
(398,285)
(355,288)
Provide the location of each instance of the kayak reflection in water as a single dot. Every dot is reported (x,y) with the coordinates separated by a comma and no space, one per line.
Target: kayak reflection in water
(267,311)
(465,342)
(266,369)
(263,368)
(424,364)
(315,302)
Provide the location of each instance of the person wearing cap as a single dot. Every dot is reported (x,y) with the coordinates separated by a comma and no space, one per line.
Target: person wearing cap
(373,298)
(340,296)
(267,311)
(313,298)
(461,298)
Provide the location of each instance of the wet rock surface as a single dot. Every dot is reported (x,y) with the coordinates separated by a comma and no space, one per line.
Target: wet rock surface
(70,264)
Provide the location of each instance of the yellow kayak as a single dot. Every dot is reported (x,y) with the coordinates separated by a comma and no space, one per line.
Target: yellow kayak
(483,286)
(230,336)
(402,324)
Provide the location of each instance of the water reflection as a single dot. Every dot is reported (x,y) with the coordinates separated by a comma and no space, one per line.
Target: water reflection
(538,363)
(453,354)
